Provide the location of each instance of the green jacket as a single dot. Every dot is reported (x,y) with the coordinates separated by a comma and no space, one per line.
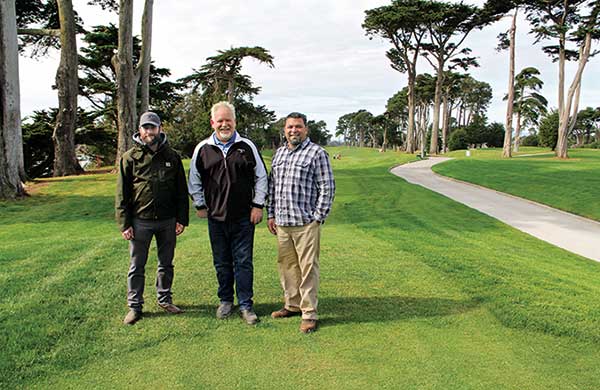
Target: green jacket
(151,185)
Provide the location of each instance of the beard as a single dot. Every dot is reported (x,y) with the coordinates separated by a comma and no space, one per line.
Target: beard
(295,141)
(225,136)
(151,140)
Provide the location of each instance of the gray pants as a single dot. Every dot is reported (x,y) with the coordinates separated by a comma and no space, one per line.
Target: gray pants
(143,231)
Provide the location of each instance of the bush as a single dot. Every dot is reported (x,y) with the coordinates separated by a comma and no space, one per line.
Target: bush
(458,140)
(593,145)
(494,135)
(530,140)
(548,134)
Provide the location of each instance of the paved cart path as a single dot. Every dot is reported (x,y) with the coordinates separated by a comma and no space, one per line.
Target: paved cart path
(568,231)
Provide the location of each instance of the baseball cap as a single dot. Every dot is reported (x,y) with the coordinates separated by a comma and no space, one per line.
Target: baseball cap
(150,118)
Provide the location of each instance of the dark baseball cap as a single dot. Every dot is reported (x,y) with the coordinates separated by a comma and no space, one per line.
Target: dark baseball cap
(150,118)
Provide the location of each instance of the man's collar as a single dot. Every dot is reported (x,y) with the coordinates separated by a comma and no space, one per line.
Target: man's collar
(217,141)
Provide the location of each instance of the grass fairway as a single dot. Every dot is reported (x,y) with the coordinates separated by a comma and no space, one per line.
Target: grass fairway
(571,185)
(417,292)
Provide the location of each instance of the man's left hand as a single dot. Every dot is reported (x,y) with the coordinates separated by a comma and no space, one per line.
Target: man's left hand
(256,215)
(179,228)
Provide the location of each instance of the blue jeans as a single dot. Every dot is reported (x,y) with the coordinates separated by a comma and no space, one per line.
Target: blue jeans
(232,244)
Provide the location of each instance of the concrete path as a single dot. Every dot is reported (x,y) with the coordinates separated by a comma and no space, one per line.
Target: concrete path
(571,232)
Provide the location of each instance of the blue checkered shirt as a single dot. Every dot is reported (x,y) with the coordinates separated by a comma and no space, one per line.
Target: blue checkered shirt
(301,185)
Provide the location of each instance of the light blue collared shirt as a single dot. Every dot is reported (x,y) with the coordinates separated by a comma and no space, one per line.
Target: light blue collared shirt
(224,146)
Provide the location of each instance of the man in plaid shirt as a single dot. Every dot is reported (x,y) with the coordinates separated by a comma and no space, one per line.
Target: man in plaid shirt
(301,191)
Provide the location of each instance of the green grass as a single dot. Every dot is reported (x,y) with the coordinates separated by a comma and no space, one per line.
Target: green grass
(417,292)
(571,185)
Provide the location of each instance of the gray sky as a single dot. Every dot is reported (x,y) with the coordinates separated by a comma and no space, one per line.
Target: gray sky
(325,66)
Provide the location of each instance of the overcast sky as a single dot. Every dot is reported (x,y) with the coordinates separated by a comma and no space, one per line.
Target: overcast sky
(325,66)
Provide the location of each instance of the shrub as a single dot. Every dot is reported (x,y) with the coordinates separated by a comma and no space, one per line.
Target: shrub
(593,145)
(494,135)
(458,140)
(530,140)
(548,134)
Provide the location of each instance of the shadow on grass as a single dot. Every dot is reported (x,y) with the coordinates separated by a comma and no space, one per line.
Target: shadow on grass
(348,310)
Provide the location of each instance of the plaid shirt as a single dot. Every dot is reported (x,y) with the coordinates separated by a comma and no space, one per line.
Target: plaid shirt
(301,185)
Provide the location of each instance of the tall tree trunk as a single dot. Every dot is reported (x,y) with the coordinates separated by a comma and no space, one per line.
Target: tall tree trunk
(361,135)
(574,91)
(410,132)
(445,123)
(384,144)
(143,68)
(12,171)
(587,136)
(230,90)
(506,152)
(437,101)
(373,140)
(561,73)
(65,159)
(423,129)
(126,88)
(517,131)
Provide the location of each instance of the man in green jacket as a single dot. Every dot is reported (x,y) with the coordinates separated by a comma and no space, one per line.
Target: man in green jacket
(151,200)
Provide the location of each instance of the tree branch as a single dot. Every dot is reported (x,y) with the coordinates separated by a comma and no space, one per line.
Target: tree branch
(39,31)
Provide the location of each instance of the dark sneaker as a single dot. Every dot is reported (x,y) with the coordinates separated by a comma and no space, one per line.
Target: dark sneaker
(249,316)
(170,308)
(283,313)
(132,317)
(224,310)
(308,326)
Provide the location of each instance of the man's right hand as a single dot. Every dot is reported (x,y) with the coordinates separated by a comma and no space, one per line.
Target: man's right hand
(272,226)
(128,233)
(202,213)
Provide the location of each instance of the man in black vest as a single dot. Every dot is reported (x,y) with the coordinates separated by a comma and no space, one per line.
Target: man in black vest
(228,184)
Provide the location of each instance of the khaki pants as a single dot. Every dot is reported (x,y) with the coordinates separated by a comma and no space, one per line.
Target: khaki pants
(298,264)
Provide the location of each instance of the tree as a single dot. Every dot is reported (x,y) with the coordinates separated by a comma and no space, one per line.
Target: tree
(65,160)
(129,77)
(458,140)
(318,132)
(497,8)
(404,24)
(445,22)
(588,123)
(126,85)
(424,96)
(396,111)
(450,92)
(221,76)
(12,171)
(548,131)
(529,105)
(91,139)
(566,21)
(510,37)
(98,84)
(494,135)
(361,122)
(345,128)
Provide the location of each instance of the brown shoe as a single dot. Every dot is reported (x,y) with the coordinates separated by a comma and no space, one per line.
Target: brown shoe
(170,308)
(132,317)
(283,313)
(308,326)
